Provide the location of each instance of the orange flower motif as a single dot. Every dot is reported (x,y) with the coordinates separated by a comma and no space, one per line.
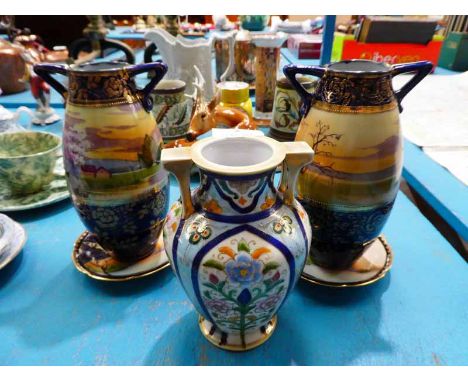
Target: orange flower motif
(227,251)
(242,201)
(268,203)
(259,252)
(213,206)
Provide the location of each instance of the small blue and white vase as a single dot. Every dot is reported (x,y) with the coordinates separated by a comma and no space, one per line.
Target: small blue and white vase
(237,243)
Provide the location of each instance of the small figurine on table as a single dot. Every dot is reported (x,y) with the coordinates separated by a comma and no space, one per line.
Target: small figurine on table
(43,114)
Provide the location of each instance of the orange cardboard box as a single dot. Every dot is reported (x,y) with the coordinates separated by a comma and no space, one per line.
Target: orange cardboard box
(392,53)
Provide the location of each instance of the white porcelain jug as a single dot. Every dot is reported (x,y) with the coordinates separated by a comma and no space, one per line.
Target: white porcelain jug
(181,54)
(9,121)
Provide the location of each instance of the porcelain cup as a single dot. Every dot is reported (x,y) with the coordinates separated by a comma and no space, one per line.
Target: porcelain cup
(172,108)
(27,160)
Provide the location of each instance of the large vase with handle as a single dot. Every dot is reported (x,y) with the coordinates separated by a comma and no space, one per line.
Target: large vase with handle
(237,244)
(352,123)
(111,150)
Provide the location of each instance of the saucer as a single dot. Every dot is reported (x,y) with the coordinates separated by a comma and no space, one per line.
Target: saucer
(54,192)
(370,267)
(12,239)
(98,263)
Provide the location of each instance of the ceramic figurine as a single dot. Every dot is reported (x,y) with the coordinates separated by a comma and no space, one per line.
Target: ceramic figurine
(237,244)
(111,148)
(286,109)
(352,123)
(35,53)
(172,108)
(267,58)
(181,54)
(43,113)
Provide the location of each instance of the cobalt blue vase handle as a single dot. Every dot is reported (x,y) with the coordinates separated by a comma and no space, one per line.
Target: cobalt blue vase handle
(422,69)
(45,71)
(290,71)
(159,68)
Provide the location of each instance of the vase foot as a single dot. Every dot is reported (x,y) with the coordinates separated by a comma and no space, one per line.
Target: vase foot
(372,266)
(233,342)
(90,258)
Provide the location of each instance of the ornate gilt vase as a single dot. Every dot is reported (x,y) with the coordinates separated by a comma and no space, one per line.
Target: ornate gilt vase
(111,150)
(237,244)
(352,123)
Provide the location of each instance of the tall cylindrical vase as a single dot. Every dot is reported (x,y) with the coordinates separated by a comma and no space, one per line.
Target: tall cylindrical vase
(267,59)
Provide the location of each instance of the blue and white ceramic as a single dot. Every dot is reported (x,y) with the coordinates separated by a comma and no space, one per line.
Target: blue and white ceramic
(237,244)
(12,239)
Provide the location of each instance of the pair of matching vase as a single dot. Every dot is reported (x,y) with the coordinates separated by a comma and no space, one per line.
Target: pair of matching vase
(237,243)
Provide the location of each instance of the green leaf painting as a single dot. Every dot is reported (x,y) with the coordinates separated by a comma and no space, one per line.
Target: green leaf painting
(214,264)
(270,266)
(243,246)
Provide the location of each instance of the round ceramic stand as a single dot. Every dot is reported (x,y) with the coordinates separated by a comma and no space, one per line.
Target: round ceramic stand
(98,263)
(233,342)
(370,267)
(12,239)
(45,117)
(54,192)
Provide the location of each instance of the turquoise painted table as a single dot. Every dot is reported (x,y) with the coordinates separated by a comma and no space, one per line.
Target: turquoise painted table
(438,187)
(50,314)
(125,33)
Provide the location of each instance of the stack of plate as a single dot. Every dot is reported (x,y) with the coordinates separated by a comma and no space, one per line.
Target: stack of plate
(12,239)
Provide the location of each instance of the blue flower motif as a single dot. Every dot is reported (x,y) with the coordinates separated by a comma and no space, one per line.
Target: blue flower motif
(244,270)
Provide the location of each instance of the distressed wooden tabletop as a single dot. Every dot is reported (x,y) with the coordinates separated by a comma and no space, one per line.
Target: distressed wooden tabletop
(50,314)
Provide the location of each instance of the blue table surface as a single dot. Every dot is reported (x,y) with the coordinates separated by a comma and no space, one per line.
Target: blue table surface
(50,314)
(435,184)
(125,33)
